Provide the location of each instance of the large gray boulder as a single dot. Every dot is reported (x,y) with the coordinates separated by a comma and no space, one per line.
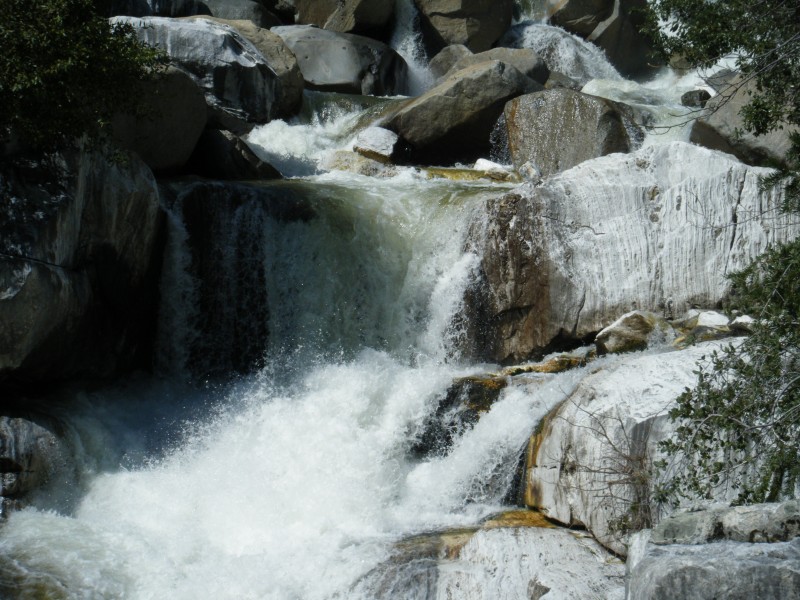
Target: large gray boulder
(242,10)
(729,570)
(560,128)
(78,266)
(282,61)
(658,228)
(525,60)
(444,60)
(722,128)
(455,119)
(345,16)
(238,82)
(343,62)
(173,117)
(477,24)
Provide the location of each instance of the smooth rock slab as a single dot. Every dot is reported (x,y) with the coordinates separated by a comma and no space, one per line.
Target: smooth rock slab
(343,62)
(589,461)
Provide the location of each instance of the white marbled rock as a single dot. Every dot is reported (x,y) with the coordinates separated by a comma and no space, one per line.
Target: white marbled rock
(657,230)
(585,464)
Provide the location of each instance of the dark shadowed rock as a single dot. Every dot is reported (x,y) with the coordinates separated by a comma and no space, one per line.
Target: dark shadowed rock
(175,115)
(477,24)
(695,98)
(160,8)
(31,453)
(455,118)
(620,36)
(223,155)
(342,62)
(239,84)
(78,266)
(579,16)
(560,128)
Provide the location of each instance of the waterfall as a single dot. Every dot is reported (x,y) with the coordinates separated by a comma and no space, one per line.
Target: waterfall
(407,41)
(309,330)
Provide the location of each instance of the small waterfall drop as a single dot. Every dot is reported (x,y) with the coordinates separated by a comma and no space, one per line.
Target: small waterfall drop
(563,52)
(407,42)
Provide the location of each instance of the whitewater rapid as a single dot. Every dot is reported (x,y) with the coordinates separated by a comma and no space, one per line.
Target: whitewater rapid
(296,481)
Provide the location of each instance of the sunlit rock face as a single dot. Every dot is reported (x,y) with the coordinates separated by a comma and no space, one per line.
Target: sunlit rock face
(78,269)
(555,130)
(477,24)
(525,60)
(343,62)
(282,61)
(588,460)
(655,230)
(238,82)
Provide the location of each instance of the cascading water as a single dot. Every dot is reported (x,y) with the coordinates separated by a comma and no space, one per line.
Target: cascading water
(296,481)
(406,40)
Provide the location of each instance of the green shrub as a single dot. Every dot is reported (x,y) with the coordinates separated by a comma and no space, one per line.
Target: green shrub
(741,423)
(65,70)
